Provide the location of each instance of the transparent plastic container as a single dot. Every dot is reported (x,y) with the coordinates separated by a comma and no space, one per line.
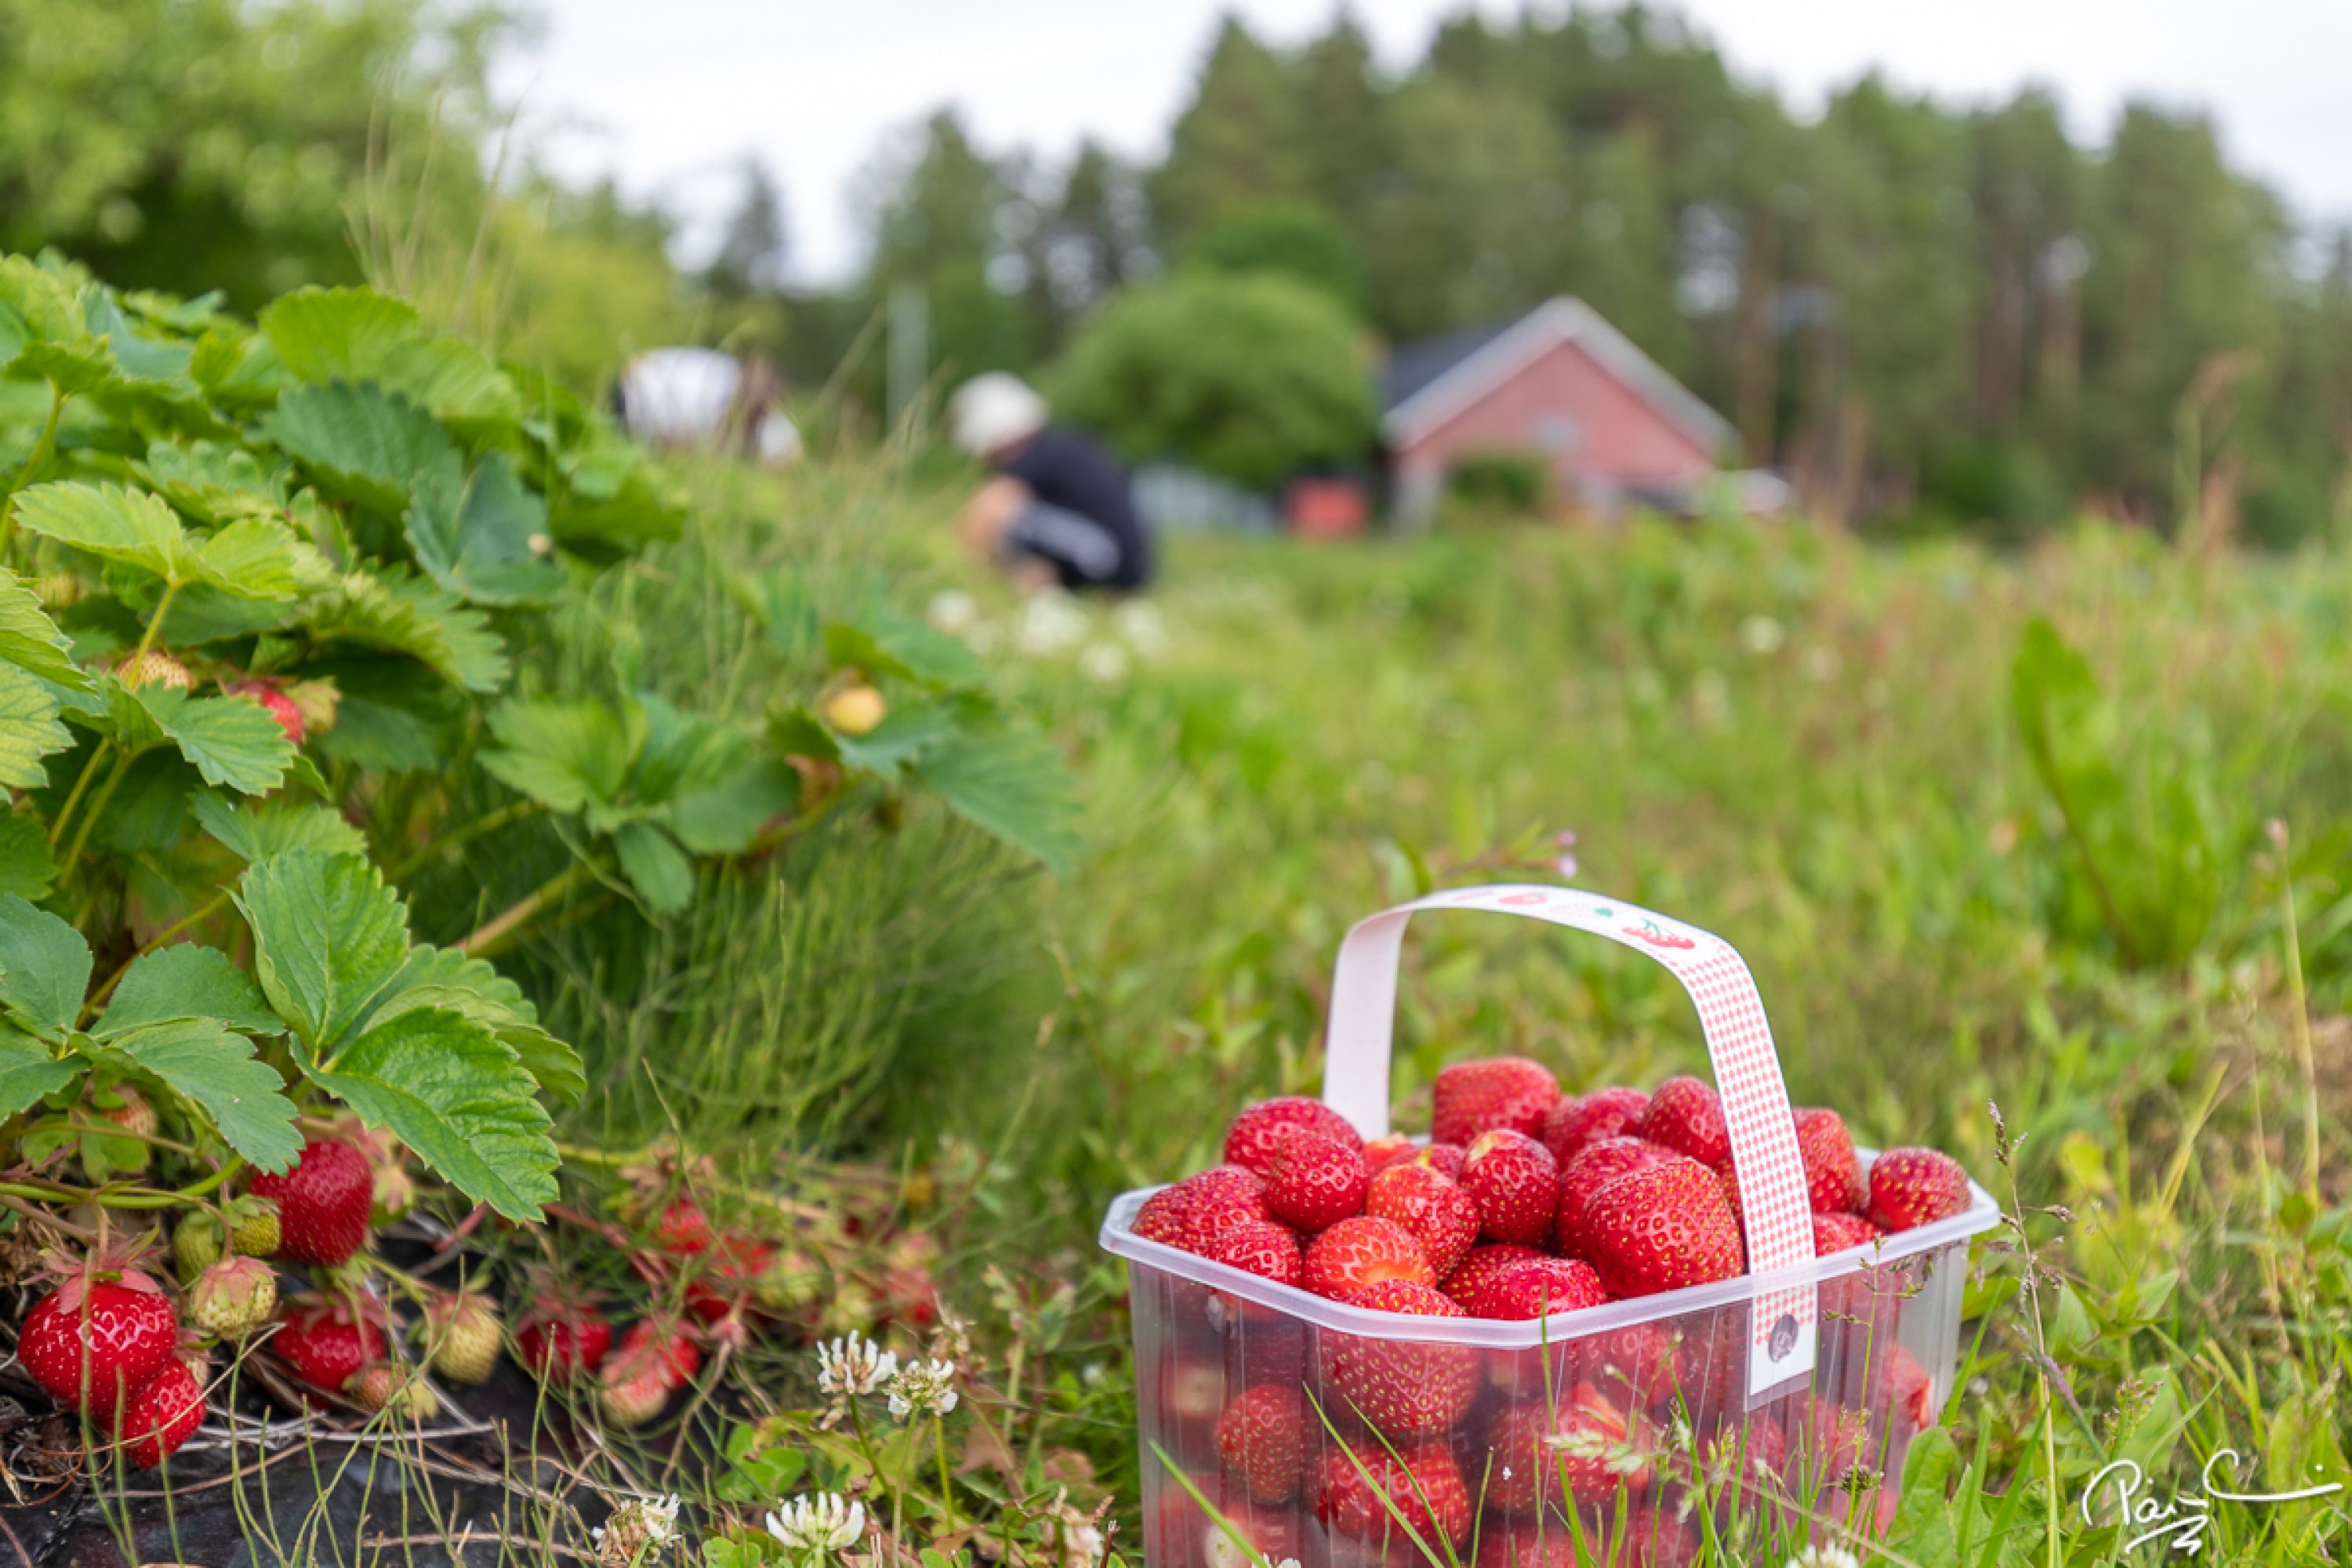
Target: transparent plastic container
(1629,1433)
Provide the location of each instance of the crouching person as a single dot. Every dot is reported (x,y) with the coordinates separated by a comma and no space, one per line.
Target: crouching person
(1056,511)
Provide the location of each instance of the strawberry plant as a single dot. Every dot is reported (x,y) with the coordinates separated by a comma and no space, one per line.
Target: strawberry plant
(265,590)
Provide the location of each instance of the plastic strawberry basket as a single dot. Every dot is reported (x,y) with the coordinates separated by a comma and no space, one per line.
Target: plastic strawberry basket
(1777,1405)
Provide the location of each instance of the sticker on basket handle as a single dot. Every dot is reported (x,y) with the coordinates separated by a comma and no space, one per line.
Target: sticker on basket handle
(1783,1322)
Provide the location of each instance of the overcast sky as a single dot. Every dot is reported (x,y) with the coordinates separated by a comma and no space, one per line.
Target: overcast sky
(672,95)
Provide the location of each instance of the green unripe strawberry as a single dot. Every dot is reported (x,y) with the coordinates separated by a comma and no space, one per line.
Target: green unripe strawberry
(195,1246)
(384,1386)
(466,1338)
(233,1297)
(256,1227)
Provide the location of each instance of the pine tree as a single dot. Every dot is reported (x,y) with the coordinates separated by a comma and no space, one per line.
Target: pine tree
(1236,145)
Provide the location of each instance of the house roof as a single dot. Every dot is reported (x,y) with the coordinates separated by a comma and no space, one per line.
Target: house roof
(1427,382)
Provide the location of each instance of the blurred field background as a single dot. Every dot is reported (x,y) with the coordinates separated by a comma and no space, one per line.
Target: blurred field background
(2017,766)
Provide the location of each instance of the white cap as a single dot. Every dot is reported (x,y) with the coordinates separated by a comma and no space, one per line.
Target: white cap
(993,411)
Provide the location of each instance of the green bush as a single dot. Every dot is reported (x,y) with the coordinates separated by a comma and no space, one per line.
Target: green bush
(1250,378)
(1289,239)
(1515,482)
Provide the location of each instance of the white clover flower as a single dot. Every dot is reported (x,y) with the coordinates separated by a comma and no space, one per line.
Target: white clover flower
(1137,621)
(1825,1557)
(923,1388)
(853,1365)
(825,1522)
(1050,623)
(1103,661)
(1761,634)
(638,1530)
(952,610)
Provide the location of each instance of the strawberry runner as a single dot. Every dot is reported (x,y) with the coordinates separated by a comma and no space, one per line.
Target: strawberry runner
(1771,1170)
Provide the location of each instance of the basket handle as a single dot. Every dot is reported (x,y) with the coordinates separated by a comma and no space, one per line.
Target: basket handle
(1773,1193)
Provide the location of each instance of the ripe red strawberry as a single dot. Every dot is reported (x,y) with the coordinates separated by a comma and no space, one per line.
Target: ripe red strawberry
(1264,1439)
(1380,1154)
(1446,1159)
(1188,1214)
(559,1339)
(1481,1264)
(1515,1182)
(1440,1214)
(682,1229)
(1314,1181)
(1364,1251)
(233,1296)
(1686,1115)
(1837,1231)
(1259,1247)
(1832,1175)
(1255,1135)
(161,1417)
(94,1342)
(326,1341)
(1576,1124)
(1472,1098)
(1544,1288)
(279,706)
(322,1203)
(1365,1492)
(727,1273)
(1593,1169)
(1399,1387)
(464,1336)
(1912,1187)
(1585,1442)
(656,1358)
(1660,1228)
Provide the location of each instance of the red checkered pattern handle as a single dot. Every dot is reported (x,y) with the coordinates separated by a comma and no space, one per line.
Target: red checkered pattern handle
(1772,1191)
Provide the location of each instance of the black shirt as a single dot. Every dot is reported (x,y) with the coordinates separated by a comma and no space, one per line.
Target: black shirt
(1070,470)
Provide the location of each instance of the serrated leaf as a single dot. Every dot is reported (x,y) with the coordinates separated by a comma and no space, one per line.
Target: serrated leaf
(254,830)
(655,866)
(474,536)
(794,731)
(441,977)
(29,730)
(253,558)
(327,935)
(30,639)
(148,810)
(80,367)
(239,368)
(26,869)
(40,299)
(27,1071)
(884,642)
(455,1094)
(454,379)
(44,967)
(210,1063)
(230,741)
(212,481)
(565,755)
(393,715)
(186,980)
(323,334)
(359,442)
(426,622)
(1012,782)
(905,731)
(129,526)
(723,817)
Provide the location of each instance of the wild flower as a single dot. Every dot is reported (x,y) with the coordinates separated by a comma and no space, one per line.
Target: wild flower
(638,1531)
(826,1522)
(952,610)
(923,1388)
(853,1365)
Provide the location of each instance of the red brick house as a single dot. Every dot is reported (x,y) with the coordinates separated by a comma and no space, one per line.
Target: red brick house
(1558,383)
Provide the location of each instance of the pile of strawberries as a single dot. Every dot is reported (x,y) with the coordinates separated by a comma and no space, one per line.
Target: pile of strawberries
(112,1342)
(1525,1203)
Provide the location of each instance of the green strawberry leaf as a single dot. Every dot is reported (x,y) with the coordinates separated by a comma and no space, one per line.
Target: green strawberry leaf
(455,1093)
(722,817)
(30,639)
(395,715)
(883,642)
(254,830)
(907,730)
(40,299)
(452,378)
(360,443)
(211,481)
(44,967)
(655,867)
(1012,782)
(253,558)
(29,730)
(186,980)
(408,614)
(327,935)
(129,526)
(205,1060)
(565,755)
(27,1071)
(26,869)
(476,535)
(231,740)
(441,977)
(326,334)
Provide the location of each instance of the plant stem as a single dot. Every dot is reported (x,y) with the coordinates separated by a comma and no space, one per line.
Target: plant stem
(42,449)
(211,1184)
(97,807)
(947,1495)
(73,796)
(2302,1020)
(497,935)
(449,842)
